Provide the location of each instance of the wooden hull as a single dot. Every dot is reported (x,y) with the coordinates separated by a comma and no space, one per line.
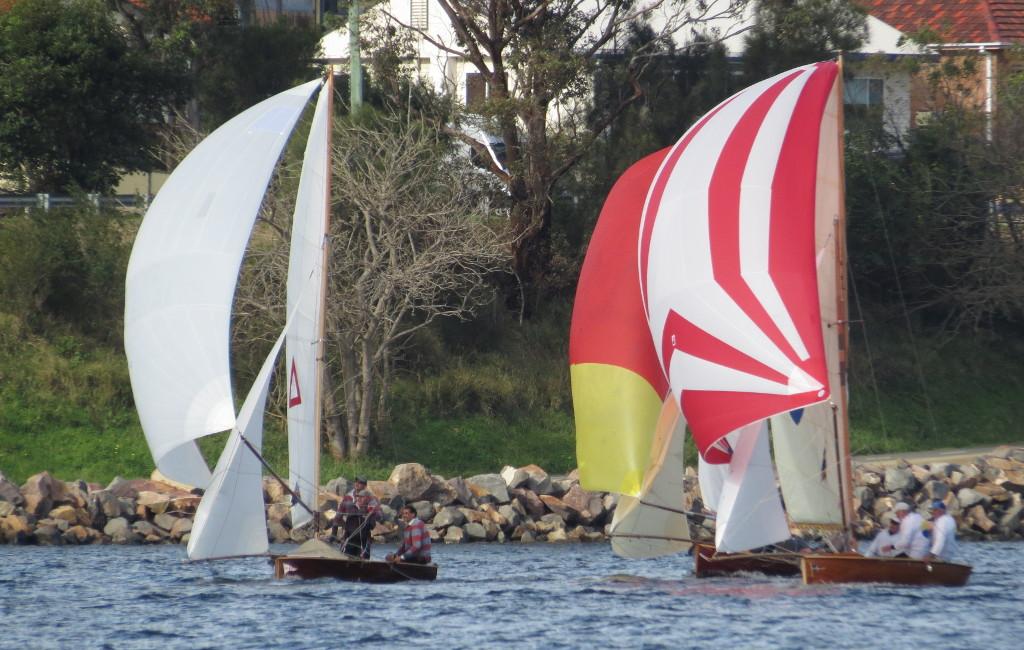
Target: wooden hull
(707,564)
(352,569)
(850,567)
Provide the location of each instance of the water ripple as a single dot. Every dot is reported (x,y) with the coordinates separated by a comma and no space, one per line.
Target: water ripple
(529,596)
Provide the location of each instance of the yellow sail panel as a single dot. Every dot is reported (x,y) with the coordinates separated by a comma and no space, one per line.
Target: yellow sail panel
(616,420)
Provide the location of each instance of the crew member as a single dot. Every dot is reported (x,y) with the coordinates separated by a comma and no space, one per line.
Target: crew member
(943,533)
(885,539)
(415,539)
(359,511)
(911,541)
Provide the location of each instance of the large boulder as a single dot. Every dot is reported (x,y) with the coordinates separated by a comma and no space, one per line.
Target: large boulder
(15,529)
(181,528)
(74,516)
(441,492)
(449,516)
(514,477)
(41,491)
(530,502)
(119,531)
(463,494)
(587,505)
(454,535)
(48,534)
(969,498)
(82,535)
(475,532)
(339,486)
(424,509)
(557,506)
(492,485)
(539,481)
(411,480)
(9,492)
(386,492)
(7,508)
(900,479)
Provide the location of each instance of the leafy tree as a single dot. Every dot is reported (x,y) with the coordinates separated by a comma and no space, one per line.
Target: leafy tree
(233,63)
(791,33)
(935,221)
(538,59)
(77,103)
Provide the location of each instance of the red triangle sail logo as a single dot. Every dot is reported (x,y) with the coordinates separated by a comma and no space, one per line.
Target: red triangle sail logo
(294,390)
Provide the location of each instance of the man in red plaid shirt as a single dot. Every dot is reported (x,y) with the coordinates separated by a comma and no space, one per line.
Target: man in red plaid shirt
(415,540)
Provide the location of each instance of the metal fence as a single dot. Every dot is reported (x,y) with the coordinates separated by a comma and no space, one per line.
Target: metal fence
(15,202)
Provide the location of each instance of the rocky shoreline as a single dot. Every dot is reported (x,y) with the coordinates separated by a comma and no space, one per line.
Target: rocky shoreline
(523,505)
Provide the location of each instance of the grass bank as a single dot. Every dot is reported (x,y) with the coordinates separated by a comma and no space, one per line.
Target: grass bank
(66,406)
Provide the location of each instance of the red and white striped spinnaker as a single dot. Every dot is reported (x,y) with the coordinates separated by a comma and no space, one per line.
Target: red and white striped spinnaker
(726,258)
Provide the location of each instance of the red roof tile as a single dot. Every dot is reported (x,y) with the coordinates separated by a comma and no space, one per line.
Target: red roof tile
(956,21)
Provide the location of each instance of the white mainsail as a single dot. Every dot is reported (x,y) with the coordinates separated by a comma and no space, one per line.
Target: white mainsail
(231,520)
(181,282)
(305,271)
(652,524)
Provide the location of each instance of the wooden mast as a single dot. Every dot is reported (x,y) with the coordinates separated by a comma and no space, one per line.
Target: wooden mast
(843,330)
(320,356)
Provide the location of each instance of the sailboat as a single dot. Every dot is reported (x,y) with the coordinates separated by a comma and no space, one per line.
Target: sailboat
(179,289)
(713,299)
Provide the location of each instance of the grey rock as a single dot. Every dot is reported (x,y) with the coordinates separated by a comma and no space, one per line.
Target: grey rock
(9,492)
(339,486)
(865,495)
(449,516)
(968,497)
(411,480)
(6,508)
(539,481)
(463,494)
(936,489)
(454,535)
(514,477)
(490,484)
(119,531)
(475,532)
(899,478)
(49,535)
(424,509)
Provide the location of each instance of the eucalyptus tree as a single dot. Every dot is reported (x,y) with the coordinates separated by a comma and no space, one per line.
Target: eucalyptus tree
(537,59)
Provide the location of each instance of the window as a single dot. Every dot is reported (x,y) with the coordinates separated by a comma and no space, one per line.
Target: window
(863,92)
(419,15)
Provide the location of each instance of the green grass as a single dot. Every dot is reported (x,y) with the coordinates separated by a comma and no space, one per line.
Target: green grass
(65,406)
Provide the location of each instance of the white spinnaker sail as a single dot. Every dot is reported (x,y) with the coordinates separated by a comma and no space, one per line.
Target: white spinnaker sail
(231,519)
(750,511)
(305,272)
(805,441)
(181,281)
(652,524)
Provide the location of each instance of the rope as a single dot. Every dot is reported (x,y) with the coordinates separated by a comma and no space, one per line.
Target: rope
(870,356)
(906,312)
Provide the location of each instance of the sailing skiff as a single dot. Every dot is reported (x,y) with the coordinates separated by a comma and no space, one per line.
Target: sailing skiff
(713,299)
(179,290)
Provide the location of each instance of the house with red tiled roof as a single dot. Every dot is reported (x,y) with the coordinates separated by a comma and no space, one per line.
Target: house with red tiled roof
(982,33)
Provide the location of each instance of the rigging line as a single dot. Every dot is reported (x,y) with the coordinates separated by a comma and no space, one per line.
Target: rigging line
(867,349)
(294,495)
(659,537)
(903,304)
(676,510)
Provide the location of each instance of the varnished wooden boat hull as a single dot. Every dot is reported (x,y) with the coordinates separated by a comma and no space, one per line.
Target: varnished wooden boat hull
(352,569)
(706,564)
(850,567)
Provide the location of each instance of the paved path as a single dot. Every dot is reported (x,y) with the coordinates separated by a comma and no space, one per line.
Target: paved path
(959,456)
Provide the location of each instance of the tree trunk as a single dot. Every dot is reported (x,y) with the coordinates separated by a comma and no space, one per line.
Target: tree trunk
(366,403)
(332,420)
(350,379)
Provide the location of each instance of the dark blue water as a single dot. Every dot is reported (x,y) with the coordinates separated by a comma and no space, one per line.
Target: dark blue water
(486,596)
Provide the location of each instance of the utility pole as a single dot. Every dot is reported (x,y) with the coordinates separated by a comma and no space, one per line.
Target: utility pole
(355,85)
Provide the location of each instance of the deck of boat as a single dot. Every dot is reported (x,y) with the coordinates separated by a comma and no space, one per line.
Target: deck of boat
(317,559)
